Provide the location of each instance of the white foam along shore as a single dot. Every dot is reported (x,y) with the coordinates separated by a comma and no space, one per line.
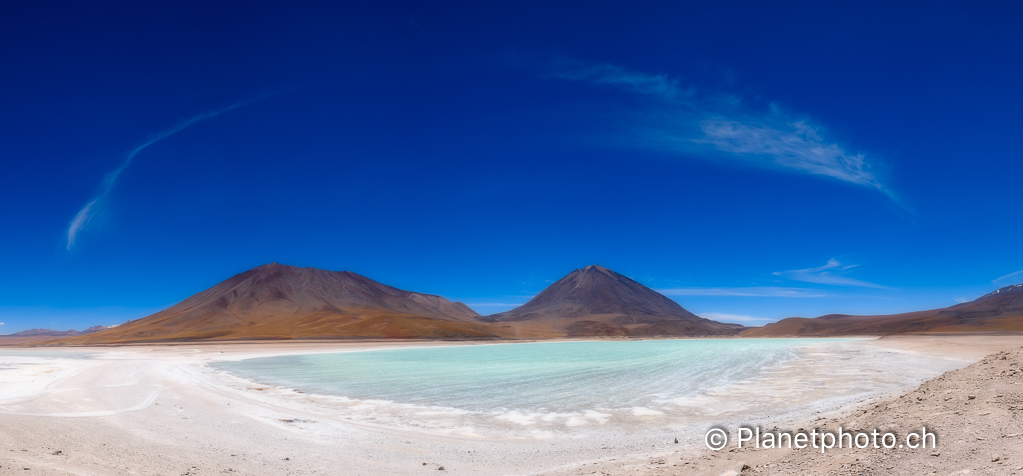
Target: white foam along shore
(788,389)
(161,410)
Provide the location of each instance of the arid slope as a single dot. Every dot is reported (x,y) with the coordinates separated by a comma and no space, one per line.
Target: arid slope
(285,302)
(1000,311)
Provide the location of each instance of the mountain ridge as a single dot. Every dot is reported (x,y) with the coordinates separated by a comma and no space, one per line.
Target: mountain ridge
(30,336)
(276,301)
(998,311)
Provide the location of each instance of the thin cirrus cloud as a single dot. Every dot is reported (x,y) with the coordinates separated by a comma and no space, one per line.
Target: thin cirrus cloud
(722,317)
(1008,277)
(721,126)
(94,206)
(830,274)
(494,304)
(755,291)
(660,85)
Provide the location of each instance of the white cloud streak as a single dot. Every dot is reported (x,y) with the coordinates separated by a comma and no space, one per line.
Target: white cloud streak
(757,291)
(654,84)
(795,145)
(493,304)
(719,126)
(830,274)
(721,317)
(92,207)
(1003,279)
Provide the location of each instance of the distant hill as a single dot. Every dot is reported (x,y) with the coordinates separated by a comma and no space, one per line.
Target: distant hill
(41,335)
(276,301)
(595,301)
(1000,311)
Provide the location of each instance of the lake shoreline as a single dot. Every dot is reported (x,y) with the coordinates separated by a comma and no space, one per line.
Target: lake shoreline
(181,419)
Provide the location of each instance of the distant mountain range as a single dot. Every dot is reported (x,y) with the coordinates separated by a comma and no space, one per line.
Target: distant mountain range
(42,335)
(1000,311)
(277,301)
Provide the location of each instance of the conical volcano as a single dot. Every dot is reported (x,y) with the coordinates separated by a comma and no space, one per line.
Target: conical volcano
(595,301)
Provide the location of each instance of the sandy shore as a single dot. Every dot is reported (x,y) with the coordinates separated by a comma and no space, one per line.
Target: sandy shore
(976,413)
(159,410)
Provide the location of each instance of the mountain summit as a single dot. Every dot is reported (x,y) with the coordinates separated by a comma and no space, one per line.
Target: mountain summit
(1014,293)
(595,301)
(282,302)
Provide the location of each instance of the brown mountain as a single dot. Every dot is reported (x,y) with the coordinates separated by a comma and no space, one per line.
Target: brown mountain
(595,301)
(1000,311)
(42,335)
(285,302)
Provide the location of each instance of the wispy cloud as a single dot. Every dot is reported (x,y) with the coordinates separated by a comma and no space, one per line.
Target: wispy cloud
(757,291)
(659,85)
(831,274)
(1008,277)
(493,304)
(721,317)
(92,207)
(794,144)
(2,324)
(722,126)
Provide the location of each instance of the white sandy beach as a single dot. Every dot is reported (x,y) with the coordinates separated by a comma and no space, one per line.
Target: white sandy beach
(161,410)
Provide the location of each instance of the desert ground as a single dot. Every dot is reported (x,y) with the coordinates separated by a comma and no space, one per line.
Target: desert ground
(159,410)
(976,413)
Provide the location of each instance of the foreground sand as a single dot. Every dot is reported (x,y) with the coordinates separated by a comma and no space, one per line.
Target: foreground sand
(153,410)
(976,412)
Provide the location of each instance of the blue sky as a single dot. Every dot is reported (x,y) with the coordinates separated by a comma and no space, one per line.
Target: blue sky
(752,161)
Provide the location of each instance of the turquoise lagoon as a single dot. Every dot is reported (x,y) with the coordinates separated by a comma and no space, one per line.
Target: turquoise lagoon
(498,389)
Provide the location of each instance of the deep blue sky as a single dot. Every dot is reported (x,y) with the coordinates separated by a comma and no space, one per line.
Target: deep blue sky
(753,161)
